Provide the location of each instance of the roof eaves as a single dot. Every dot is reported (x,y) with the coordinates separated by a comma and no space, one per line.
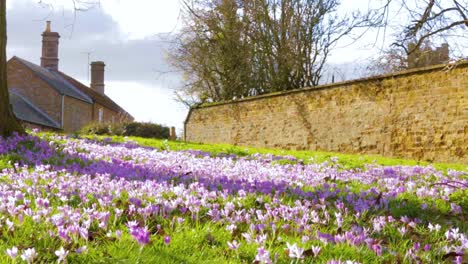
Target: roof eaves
(38,110)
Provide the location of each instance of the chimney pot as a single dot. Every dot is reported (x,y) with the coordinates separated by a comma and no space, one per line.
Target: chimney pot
(48,26)
(97,76)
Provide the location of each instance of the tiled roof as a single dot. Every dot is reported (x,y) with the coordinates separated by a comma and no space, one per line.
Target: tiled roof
(27,111)
(97,97)
(56,81)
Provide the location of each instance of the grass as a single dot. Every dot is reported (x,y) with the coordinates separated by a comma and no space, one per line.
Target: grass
(347,161)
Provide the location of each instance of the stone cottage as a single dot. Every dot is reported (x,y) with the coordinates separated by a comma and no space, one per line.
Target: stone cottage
(44,97)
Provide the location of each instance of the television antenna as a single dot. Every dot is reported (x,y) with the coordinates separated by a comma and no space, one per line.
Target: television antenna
(87,66)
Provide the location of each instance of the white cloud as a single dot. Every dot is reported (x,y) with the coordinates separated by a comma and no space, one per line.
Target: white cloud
(142,18)
(151,104)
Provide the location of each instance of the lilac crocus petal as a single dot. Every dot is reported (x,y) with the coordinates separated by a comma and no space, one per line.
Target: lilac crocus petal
(316,250)
(61,254)
(295,251)
(12,252)
(455,209)
(81,250)
(458,260)
(263,256)
(377,249)
(29,255)
(234,245)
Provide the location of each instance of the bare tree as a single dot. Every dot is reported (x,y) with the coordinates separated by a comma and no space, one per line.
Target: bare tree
(433,18)
(236,48)
(212,50)
(421,21)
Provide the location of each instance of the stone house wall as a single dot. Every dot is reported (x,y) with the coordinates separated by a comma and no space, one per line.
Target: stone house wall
(418,114)
(34,89)
(109,116)
(77,114)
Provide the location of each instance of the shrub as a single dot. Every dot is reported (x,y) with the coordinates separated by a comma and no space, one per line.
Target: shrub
(96,129)
(146,130)
(137,129)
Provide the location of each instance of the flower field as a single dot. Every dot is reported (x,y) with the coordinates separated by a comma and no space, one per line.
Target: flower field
(75,200)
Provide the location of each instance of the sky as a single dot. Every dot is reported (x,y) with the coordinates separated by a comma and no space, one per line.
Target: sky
(133,40)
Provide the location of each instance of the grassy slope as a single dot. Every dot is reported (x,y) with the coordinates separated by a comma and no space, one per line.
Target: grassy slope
(192,245)
(346,160)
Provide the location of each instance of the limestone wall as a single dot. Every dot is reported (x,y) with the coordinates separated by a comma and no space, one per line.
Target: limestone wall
(420,114)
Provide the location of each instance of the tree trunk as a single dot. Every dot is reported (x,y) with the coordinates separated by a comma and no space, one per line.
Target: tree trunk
(8,121)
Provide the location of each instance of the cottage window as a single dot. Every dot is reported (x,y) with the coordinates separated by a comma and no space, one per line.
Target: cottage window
(101,114)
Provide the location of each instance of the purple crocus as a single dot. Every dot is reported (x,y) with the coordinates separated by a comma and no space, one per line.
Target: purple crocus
(167,240)
(263,256)
(141,235)
(234,245)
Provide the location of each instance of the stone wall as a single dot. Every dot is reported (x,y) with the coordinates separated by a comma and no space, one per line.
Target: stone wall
(419,114)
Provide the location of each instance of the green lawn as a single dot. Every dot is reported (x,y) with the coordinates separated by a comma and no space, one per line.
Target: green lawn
(347,161)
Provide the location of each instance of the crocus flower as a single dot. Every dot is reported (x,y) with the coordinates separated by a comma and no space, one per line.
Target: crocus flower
(295,251)
(435,227)
(141,235)
(263,256)
(29,255)
(81,250)
(61,254)
(167,240)
(377,249)
(458,260)
(12,252)
(234,245)
(316,250)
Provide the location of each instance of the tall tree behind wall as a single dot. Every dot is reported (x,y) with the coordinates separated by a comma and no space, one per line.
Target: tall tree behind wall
(212,50)
(8,122)
(436,21)
(236,48)
(427,32)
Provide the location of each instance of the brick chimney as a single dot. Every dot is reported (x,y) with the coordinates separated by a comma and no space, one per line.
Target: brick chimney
(97,76)
(50,42)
